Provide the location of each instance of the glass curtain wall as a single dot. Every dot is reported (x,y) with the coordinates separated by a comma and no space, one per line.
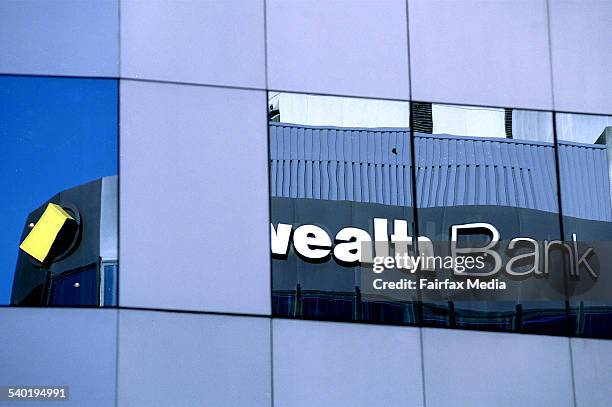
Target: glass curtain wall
(511,207)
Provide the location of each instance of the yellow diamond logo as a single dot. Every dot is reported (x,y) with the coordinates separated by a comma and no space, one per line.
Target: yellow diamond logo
(39,241)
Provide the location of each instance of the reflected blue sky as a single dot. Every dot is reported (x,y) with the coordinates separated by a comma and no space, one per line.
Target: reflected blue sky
(55,133)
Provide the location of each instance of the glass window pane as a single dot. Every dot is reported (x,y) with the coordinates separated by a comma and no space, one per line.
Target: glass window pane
(489,173)
(585,152)
(336,164)
(59,156)
(76,288)
(110,284)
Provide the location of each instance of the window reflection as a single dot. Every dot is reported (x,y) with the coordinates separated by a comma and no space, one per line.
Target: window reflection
(587,217)
(75,288)
(497,166)
(340,163)
(59,146)
(336,162)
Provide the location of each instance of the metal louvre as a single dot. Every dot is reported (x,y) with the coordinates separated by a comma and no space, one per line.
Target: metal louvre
(584,181)
(373,165)
(455,171)
(340,164)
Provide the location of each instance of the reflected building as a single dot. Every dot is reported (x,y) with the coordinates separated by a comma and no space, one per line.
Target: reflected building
(494,165)
(80,268)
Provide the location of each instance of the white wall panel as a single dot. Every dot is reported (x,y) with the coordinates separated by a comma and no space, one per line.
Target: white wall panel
(211,42)
(344,364)
(478,52)
(184,359)
(353,48)
(592,371)
(62,37)
(194,227)
(60,347)
(468,368)
(581,34)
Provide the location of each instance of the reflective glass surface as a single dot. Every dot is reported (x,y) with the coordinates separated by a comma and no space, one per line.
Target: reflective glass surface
(494,186)
(58,139)
(335,163)
(587,218)
(109,278)
(76,288)
(492,171)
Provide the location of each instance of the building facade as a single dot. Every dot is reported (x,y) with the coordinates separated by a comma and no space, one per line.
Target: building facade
(202,126)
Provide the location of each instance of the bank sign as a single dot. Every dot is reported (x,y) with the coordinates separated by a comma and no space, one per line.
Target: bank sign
(342,247)
(351,246)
